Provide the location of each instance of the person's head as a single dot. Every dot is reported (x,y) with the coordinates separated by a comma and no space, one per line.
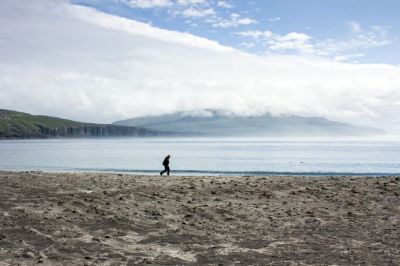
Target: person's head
(168,156)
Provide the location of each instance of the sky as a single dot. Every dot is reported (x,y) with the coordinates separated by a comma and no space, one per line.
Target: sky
(349,30)
(102,61)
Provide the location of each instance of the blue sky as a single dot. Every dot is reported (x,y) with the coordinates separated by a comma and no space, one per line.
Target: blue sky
(117,59)
(356,31)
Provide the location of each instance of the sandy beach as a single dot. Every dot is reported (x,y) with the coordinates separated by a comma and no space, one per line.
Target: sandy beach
(115,219)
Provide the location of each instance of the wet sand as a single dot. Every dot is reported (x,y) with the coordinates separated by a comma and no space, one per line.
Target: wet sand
(111,219)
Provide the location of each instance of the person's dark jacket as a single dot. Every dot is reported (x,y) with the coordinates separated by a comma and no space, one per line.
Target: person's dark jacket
(166,161)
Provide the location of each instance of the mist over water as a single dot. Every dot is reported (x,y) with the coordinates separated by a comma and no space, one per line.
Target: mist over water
(244,156)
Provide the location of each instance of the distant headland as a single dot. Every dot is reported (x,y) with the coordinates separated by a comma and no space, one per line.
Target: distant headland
(18,125)
(216,123)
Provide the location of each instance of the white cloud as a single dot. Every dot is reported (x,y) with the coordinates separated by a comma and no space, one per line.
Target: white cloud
(376,36)
(163,3)
(191,2)
(193,12)
(148,3)
(247,45)
(360,39)
(291,41)
(132,27)
(276,42)
(347,57)
(75,62)
(275,19)
(199,10)
(224,4)
(235,20)
(257,34)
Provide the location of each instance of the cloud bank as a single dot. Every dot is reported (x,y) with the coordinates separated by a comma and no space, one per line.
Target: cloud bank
(75,62)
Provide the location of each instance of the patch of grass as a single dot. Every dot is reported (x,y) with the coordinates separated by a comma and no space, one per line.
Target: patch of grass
(33,120)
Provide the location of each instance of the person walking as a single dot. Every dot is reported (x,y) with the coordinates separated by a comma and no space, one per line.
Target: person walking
(166,165)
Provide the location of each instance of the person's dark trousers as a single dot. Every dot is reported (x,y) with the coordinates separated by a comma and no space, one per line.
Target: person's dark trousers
(166,170)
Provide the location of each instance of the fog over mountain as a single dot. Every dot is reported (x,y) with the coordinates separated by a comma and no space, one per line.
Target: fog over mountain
(225,123)
(66,60)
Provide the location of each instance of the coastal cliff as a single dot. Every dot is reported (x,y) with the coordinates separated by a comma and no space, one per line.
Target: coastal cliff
(18,125)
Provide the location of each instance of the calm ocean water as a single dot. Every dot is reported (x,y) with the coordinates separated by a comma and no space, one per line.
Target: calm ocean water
(202,156)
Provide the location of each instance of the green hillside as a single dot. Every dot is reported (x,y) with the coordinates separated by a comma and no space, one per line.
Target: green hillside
(15,124)
(31,120)
(18,125)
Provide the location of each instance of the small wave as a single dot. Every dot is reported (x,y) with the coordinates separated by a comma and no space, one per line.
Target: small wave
(230,173)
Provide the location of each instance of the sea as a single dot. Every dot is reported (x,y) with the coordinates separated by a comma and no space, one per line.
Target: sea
(203,156)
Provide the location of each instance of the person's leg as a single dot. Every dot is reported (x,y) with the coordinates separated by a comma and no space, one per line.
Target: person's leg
(166,169)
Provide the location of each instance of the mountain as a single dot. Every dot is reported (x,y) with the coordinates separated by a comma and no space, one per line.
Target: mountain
(18,125)
(221,123)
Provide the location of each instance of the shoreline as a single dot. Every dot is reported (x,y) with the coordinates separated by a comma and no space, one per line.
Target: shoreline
(199,173)
(104,218)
